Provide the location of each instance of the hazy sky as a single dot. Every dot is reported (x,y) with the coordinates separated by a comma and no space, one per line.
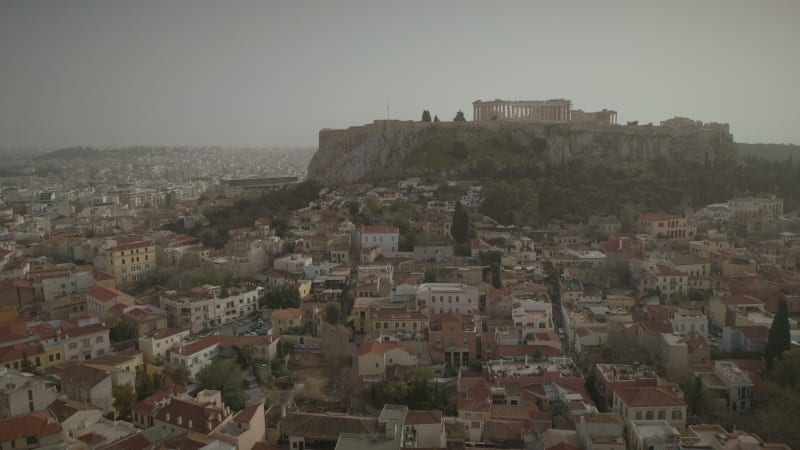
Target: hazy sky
(269,73)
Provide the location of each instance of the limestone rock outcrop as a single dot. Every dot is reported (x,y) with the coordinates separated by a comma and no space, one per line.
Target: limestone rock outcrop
(389,149)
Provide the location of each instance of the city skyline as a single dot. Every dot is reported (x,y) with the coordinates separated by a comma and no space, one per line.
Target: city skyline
(273,74)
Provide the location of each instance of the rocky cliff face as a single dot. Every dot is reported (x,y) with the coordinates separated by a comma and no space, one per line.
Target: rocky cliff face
(388,150)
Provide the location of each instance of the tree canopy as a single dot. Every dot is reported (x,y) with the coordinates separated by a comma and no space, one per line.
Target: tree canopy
(226,376)
(282,298)
(779,339)
(460,226)
(426,116)
(459,117)
(124,398)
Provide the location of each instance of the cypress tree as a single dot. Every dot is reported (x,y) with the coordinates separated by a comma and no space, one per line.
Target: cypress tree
(460,227)
(779,339)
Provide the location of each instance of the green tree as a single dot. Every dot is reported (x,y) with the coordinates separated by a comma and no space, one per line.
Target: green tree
(225,376)
(426,116)
(245,356)
(779,338)
(27,365)
(694,393)
(460,226)
(435,119)
(627,216)
(170,200)
(121,331)
(178,374)
(459,117)
(333,313)
(786,371)
(124,398)
(282,298)
(430,276)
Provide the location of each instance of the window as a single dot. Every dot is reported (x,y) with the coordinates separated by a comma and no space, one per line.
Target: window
(438,342)
(648,415)
(452,342)
(662,415)
(73,345)
(99,340)
(466,341)
(638,415)
(677,414)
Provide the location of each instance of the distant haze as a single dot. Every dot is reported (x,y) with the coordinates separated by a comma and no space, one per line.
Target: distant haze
(269,73)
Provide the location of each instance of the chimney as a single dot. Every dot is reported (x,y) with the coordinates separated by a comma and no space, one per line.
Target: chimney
(167,417)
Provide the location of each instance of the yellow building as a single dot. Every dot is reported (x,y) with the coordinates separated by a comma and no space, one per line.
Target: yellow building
(651,403)
(130,261)
(410,321)
(284,319)
(666,226)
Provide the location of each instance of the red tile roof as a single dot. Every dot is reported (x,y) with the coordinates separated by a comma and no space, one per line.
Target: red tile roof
(648,396)
(379,229)
(105,294)
(289,313)
(36,424)
(415,417)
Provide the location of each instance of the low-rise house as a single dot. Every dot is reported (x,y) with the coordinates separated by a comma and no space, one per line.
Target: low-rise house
(407,322)
(294,264)
(38,430)
(22,394)
(730,387)
(157,343)
(423,429)
(84,339)
(651,403)
(100,300)
(245,428)
(601,431)
(201,415)
(196,355)
(143,319)
(448,297)
(374,358)
(610,377)
(317,430)
(144,410)
(92,385)
(666,226)
(653,434)
(384,236)
(285,319)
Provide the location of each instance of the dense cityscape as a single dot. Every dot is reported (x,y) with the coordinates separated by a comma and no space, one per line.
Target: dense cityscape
(394,226)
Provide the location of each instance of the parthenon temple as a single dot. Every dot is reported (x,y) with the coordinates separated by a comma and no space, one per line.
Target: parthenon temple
(557,110)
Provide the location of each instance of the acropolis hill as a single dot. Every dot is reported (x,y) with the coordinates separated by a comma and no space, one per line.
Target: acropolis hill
(507,134)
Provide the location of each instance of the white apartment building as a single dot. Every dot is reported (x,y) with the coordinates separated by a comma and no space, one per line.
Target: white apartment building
(748,207)
(384,236)
(687,322)
(205,307)
(67,284)
(532,316)
(157,343)
(441,298)
(294,263)
(86,341)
